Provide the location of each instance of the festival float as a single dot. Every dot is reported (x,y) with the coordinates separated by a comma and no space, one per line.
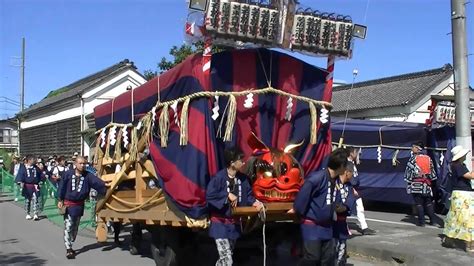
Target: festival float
(159,144)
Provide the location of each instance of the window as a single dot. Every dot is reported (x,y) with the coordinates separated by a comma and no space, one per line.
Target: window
(5,136)
(14,136)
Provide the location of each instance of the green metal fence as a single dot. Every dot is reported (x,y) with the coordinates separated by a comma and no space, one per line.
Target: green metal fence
(48,200)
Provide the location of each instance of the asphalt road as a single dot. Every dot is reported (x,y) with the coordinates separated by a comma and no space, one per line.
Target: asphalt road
(26,242)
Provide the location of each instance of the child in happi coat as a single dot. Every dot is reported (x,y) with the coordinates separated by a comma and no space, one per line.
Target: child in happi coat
(29,177)
(345,200)
(315,205)
(228,189)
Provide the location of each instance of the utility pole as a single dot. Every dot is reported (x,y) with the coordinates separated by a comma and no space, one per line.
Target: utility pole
(22,78)
(22,91)
(461,77)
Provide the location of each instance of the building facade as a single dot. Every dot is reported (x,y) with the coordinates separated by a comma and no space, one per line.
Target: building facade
(57,124)
(9,135)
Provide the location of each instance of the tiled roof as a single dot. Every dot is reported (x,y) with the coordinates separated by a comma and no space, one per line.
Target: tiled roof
(80,86)
(390,91)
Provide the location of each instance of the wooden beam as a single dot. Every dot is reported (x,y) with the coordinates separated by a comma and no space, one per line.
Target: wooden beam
(150,168)
(125,166)
(133,174)
(111,177)
(271,208)
(140,184)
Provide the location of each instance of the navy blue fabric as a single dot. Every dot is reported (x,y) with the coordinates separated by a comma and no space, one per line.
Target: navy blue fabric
(383,181)
(219,205)
(65,191)
(311,203)
(30,182)
(460,183)
(185,170)
(340,229)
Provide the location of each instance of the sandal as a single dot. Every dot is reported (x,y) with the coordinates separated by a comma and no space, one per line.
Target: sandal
(70,254)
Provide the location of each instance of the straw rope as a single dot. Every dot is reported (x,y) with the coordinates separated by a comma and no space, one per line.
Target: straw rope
(134,145)
(97,150)
(388,146)
(209,94)
(118,145)
(314,124)
(267,90)
(156,195)
(231,110)
(230,118)
(194,223)
(164,122)
(147,123)
(143,205)
(107,146)
(183,130)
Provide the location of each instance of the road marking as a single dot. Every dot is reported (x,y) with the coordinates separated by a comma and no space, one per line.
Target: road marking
(383,221)
(391,222)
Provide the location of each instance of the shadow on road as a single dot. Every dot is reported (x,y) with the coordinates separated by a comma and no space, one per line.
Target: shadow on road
(25,258)
(124,245)
(9,241)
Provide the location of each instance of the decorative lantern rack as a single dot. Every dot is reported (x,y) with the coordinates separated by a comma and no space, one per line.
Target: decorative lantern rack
(274,23)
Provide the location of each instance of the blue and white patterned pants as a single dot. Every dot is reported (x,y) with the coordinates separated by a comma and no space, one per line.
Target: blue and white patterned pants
(35,201)
(341,252)
(225,248)
(71,226)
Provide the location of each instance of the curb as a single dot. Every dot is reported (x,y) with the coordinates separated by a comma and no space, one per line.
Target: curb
(393,256)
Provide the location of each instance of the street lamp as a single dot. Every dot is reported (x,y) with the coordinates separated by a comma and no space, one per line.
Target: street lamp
(199,5)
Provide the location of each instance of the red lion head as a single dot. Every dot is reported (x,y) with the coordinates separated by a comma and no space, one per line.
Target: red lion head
(277,176)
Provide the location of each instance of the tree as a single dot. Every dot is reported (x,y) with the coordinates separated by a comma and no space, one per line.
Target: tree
(179,54)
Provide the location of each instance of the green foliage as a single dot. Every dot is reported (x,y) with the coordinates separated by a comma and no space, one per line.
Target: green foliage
(7,159)
(56,92)
(149,74)
(178,55)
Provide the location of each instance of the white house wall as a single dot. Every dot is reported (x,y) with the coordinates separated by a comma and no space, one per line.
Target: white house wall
(92,98)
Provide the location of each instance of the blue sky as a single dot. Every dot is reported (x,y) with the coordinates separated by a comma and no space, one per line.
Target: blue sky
(69,39)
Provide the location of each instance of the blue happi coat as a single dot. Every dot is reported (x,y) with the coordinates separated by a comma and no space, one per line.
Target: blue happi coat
(223,225)
(315,204)
(30,176)
(76,189)
(345,196)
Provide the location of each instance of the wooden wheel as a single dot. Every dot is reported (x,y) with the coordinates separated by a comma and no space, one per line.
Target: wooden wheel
(101,231)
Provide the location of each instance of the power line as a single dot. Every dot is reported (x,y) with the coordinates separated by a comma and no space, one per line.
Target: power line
(9,99)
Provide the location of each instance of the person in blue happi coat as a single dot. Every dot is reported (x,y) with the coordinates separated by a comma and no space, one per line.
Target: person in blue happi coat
(315,205)
(345,201)
(74,188)
(228,189)
(29,177)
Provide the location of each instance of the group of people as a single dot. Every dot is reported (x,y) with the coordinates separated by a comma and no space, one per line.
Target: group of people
(325,200)
(322,205)
(421,177)
(73,181)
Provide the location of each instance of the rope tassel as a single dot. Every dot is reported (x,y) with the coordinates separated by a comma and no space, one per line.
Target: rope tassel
(164,126)
(147,123)
(314,123)
(395,161)
(183,130)
(230,118)
(97,149)
(118,145)
(134,145)
(107,147)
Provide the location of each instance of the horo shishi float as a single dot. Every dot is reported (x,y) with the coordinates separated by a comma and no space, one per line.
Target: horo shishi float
(159,144)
